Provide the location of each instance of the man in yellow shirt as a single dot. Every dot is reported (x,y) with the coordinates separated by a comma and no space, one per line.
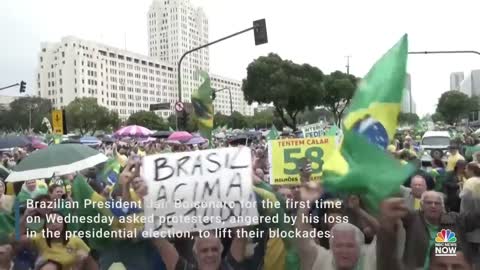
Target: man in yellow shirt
(453,158)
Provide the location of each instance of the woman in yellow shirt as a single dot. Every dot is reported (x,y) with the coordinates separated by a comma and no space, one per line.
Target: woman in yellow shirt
(71,253)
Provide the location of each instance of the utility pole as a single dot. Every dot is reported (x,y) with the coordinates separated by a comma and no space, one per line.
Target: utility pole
(230,95)
(348,64)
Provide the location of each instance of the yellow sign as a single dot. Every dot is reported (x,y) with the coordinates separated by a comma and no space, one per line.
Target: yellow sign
(57,121)
(290,156)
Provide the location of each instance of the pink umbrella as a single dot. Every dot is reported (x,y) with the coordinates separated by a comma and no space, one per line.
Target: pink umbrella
(133,131)
(181,136)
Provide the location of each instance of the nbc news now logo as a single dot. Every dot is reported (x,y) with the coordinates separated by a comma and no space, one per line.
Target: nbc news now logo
(445,243)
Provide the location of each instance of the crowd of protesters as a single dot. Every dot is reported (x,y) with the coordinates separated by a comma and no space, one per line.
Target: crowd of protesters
(401,236)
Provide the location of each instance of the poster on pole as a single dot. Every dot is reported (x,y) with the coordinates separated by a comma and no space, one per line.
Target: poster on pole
(287,157)
(199,190)
(314,130)
(57,122)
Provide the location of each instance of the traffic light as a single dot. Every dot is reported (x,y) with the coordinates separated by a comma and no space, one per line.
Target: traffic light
(214,95)
(260,32)
(22,86)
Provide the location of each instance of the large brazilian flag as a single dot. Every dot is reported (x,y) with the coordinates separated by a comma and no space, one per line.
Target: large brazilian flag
(203,107)
(361,165)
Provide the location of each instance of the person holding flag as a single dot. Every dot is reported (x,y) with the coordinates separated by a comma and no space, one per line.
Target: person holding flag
(368,128)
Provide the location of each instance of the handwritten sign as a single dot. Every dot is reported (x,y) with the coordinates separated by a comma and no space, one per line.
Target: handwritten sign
(314,130)
(200,190)
(288,157)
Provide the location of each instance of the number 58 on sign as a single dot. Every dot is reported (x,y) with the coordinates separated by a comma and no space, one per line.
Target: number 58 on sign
(288,158)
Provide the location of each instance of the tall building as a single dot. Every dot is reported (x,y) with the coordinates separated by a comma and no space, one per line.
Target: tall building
(128,82)
(408,104)
(174,27)
(229,97)
(456,79)
(120,80)
(471,84)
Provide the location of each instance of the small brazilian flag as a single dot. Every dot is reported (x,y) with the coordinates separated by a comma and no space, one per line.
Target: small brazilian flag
(361,165)
(110,172)
(203,107)
(273,134)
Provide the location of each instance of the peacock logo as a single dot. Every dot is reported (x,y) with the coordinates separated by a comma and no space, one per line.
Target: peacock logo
(445,236)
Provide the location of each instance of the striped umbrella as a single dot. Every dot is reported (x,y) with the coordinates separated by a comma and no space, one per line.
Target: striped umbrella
(133,131)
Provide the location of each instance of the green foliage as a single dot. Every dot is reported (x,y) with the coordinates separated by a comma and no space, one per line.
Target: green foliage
(86,116)
(290,87)
(149,120)
(263,119)
(17,117)
(339,90)
(408,118)
(454,105)
(172,121)
(192,123)
(238,120)
(437,117)
(314,116)
(220,120)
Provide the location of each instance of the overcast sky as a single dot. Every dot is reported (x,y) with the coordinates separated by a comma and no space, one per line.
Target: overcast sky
(317,32)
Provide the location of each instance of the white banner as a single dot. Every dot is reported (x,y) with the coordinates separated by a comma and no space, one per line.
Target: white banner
(200,190)
(314,130)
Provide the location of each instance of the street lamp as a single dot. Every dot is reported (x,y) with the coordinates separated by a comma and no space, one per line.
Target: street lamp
(260,35)
(215,91)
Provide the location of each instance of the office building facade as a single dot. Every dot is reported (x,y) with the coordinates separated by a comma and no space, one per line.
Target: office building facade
(120,80)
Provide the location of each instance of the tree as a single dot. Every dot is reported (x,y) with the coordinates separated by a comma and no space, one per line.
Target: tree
(455,105)
(87,116)
(339,90)
(172,121)
(192,123)
(261,119)
(408,118)
(437,117)
(220,120)
(314,116)
(149,120)
(24,109)
(238,120)
(290,87)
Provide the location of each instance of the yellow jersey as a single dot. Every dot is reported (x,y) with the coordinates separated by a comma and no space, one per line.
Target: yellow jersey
(452,161)
(66,255)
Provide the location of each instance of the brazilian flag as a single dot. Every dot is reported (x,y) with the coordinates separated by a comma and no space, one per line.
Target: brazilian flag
(7,227)
(361,165)
(203,107)
(110,172)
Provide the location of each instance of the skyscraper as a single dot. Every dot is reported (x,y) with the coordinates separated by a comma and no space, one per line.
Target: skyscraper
(456,79)
(408,105)
(174,27)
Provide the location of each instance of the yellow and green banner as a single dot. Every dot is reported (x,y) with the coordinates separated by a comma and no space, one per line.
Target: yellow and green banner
(289,156)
